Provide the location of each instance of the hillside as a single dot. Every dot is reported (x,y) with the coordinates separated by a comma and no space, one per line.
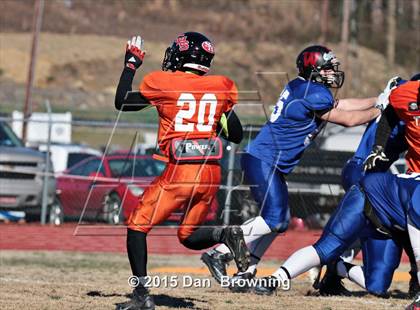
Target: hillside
(82,47)
(71,75)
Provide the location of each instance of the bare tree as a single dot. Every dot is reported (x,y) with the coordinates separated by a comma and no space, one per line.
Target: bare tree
(416,25)
(392,30)
(377,15)
(415,10)
(324,21)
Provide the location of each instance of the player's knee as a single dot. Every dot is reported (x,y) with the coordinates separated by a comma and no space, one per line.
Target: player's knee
(378,286)
(278,224)
(139,227)
(329,248)
(279,227)
(189,243)
(378,278)
(183,235)
(191,240)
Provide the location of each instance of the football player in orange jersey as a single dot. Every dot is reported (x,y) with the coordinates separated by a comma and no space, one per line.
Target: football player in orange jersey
(404,105)
(191,107)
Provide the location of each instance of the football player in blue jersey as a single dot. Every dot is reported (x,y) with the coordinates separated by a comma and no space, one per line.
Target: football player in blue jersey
(373,249)
(381,206)
(304,106)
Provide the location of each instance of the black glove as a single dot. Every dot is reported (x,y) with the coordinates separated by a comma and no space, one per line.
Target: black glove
(133,53)
(376,154)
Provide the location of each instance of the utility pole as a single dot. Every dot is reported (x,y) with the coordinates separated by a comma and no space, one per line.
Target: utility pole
(36,28)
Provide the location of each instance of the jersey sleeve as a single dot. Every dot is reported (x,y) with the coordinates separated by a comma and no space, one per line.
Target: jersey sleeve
(232,94)
(405,99)
(318,98)
(149,89)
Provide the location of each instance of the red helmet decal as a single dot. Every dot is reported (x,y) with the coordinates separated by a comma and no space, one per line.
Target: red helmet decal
(208,47)
(182,42)
(310,58)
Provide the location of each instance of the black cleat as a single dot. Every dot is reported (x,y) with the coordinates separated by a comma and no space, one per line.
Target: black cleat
(234,240)
(413,286)
(332,284)
(267,285)
(415,305)
(216,263)
(241,283)
(141,300)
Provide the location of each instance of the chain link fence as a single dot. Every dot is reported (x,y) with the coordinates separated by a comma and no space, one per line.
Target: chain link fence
(100,183)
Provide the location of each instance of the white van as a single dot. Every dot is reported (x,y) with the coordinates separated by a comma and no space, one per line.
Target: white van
(64,156)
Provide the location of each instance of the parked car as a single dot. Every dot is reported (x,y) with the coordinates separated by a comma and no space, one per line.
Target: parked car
(21,176)
(107,189)
(64,156)
(314,186)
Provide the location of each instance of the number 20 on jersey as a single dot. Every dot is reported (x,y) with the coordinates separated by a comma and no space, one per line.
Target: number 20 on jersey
(183,119)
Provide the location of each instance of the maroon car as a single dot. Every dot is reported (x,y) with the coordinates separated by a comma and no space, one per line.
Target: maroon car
(97,188)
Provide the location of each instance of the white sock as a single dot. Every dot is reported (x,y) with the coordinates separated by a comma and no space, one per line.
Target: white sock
(414,234)
(348,255)
(253,229)
(354,274)
(281,274)
(357,276)
(300,262)
(222,249)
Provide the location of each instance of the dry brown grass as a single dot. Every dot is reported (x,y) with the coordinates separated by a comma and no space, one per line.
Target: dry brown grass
(60,280)
(81,71)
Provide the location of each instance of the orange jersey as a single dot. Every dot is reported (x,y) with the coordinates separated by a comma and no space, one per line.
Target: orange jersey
(189,105)
(405,101)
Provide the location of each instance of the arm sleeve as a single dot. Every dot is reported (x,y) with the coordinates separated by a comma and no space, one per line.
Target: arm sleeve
(387,122)
(230,127)
(136,102)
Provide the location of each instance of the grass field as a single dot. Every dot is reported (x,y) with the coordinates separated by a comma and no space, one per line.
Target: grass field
(69,280)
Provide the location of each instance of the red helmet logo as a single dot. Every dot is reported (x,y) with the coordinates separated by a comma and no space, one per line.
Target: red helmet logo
(208,47)
(182,43)
(310,58)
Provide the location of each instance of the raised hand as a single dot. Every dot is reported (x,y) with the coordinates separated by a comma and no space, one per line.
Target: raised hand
(134,53)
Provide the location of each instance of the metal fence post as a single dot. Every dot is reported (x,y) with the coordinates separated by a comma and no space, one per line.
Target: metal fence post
(47,168)
(229,183)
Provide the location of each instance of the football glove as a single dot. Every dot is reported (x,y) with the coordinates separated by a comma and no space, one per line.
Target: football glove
(383,98)
(134,53)
(376,154)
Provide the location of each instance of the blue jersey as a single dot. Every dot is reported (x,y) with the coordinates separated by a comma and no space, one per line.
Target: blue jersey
(393,197)
(396,143)
(292,125)
(353,170)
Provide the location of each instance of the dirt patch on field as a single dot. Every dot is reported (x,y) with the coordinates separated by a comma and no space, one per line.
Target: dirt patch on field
(64,280)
